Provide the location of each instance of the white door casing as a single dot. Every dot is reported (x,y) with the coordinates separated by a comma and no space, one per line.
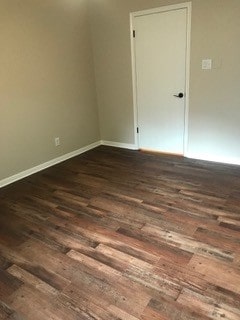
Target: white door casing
(160,57)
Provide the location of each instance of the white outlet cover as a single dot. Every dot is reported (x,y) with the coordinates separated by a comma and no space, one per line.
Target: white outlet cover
(57,142)
(207,64)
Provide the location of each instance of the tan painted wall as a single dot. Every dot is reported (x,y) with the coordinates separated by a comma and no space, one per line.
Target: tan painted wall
(47,85)
(214,128)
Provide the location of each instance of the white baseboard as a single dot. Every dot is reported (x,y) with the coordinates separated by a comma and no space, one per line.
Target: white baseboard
(26,173)
(223,160)
(47,164)
(65,157)
(119,145)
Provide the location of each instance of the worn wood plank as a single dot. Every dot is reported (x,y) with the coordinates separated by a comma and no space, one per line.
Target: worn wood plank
(116,234)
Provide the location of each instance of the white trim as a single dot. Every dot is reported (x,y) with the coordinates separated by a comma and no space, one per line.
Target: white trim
(218,159)
(185,5)
(161,9)
(119,145)
(188,62)
(134,82)
(47,164)
(26,173)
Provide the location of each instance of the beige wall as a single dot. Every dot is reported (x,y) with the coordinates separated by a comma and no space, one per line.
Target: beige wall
(47,86)
(48,89)
(214,128)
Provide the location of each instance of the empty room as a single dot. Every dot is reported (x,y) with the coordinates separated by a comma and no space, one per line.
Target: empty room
(119,160)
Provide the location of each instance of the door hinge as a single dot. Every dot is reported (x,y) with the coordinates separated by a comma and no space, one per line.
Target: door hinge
(134,34)
(137,130)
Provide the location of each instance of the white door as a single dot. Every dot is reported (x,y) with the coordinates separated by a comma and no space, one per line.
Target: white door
(160,62)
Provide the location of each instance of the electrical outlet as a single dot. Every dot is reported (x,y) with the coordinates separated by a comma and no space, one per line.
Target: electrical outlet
(57,142)
(207,64)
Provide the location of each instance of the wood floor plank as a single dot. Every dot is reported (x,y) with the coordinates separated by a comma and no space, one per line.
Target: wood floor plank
(186,243)
(32,304)
(205,305)
(117,234)
(7,313)
(31,280)
(8,284)
(220,274)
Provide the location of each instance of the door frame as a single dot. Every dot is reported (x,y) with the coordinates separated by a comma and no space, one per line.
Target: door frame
(188,7)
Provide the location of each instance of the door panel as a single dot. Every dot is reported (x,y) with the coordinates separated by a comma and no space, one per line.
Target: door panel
(160,57)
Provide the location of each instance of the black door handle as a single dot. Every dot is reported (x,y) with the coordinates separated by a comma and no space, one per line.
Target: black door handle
(180,95)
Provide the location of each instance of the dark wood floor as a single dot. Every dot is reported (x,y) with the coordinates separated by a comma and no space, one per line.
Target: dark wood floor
(116,234)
